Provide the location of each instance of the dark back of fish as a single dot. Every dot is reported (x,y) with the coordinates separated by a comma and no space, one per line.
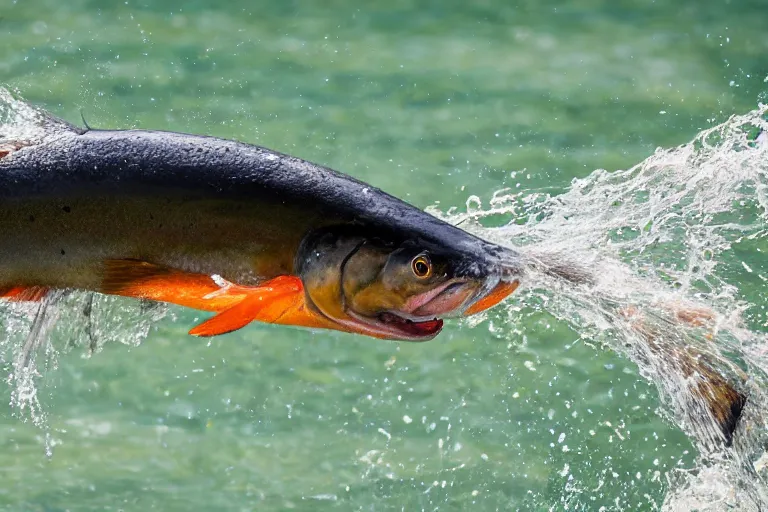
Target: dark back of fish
(197,203)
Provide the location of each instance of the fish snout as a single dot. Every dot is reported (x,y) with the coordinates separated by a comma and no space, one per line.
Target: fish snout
(503,289)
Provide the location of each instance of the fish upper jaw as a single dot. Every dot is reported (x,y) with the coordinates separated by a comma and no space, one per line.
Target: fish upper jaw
(500,291)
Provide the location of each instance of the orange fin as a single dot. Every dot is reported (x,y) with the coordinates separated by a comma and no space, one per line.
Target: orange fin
(143,280)
(24,293)
(280,300)
(498,294)
(265,303)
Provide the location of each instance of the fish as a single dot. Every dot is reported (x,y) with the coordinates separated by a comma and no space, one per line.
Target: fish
(235,229)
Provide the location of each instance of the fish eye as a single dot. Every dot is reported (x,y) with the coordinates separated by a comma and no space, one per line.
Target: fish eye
(421,266)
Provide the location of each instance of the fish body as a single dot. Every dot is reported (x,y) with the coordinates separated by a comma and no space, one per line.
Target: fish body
(109,210)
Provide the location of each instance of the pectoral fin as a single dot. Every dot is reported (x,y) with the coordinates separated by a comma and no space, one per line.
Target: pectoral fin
(143,280)
(265,303)
(279,300)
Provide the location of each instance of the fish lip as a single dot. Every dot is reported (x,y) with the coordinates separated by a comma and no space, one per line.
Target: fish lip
(392,331)
(407,316)
(419,301)
(468,292)
(450,300)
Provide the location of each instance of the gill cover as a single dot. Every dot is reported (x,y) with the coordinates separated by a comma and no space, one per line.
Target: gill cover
(321,259)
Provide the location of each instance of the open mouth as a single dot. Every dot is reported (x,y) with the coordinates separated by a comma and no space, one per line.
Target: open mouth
(420,329)
(392,326)
(418,320)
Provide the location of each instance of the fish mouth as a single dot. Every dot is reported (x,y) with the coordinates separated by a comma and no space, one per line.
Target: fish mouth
(446,300)
(421,320)
(460,297)
(421,330)
(395,326)
(421,317)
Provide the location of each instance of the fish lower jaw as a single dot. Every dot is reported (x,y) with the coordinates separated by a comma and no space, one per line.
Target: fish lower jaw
(395,327)
(420,328)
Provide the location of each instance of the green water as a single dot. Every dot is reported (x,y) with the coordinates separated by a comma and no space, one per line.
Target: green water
(434,102)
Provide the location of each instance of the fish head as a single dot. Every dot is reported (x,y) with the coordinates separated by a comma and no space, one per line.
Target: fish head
(399,289)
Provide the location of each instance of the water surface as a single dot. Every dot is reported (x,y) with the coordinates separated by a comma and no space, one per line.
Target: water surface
(434,102)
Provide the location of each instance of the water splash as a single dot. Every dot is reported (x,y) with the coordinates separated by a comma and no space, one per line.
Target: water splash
(32,335)
(19,121)
(652,262)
